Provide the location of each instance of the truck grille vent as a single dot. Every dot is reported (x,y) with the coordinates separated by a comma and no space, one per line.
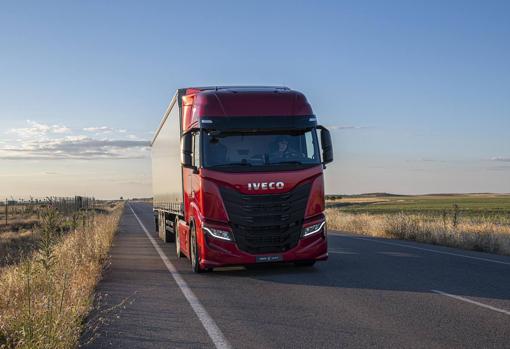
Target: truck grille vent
(268,223)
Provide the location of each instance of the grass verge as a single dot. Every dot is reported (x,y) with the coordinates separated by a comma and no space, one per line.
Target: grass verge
(44,298)
(475,234)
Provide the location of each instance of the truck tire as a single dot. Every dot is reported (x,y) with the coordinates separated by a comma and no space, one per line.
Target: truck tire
(178,251)
(169,235)
(164,234)
(194,254)
(160,227)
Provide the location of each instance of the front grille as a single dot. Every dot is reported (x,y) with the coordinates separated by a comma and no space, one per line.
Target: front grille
(268,223)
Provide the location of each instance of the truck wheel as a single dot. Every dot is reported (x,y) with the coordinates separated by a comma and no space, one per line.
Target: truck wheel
(194,252)
(304,263)
(167,236)
(177,241)
(160,227)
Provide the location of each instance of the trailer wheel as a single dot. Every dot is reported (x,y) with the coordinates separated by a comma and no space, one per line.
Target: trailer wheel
(160,226)
(194,252)
(178,251)
(166,236)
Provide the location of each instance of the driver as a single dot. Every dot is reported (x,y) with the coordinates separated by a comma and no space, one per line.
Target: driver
(283,151)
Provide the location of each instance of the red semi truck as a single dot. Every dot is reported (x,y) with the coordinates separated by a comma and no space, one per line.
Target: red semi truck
(238,177)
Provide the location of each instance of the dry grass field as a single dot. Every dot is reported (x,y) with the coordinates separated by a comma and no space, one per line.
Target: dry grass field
(19,237)
(47,293)
(478,222)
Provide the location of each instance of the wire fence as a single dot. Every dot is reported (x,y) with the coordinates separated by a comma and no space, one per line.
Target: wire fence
(11,208)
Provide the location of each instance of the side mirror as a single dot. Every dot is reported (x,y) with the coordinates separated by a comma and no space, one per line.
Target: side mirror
(327,145)
(187,150)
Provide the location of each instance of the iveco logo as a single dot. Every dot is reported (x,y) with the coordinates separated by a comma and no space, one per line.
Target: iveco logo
(265,185)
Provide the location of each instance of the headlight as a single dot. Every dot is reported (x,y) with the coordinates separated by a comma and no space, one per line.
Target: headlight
(218,233)
(312,229)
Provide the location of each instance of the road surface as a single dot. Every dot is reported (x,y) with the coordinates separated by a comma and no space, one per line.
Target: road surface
(370,293)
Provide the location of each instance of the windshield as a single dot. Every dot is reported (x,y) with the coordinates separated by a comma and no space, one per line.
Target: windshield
(260,149)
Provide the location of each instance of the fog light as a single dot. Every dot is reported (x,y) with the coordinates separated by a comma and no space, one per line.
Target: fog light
(218,233)
(312,229)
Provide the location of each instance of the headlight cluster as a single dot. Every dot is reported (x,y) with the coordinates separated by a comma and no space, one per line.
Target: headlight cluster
(218,233)
(312,229)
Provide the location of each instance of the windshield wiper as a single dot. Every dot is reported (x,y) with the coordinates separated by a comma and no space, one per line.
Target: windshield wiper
(290,162)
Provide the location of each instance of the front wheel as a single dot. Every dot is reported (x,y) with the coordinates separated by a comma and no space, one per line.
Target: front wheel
(194,252)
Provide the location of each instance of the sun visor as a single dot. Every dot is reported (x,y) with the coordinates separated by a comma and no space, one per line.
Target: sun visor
(266,123)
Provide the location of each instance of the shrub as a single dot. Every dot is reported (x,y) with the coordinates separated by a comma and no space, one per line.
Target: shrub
(45,297)
(471,234)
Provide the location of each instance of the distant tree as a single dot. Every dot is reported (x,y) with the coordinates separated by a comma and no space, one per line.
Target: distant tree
(122,198)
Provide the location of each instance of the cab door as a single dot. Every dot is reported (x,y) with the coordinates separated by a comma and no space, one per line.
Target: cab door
(191,184)
(195,173)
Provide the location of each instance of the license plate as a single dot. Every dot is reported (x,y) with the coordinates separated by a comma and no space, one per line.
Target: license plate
(265,259)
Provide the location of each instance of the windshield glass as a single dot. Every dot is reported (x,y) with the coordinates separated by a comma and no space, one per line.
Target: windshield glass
(250,149)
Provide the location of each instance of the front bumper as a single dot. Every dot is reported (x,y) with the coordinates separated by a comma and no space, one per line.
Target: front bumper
(219,253)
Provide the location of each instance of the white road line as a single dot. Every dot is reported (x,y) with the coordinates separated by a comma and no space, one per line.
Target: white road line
(427,249)
(207,321)
(506,312)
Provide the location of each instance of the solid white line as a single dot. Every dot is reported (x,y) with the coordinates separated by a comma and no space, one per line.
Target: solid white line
(427,249)
(207,321)
(506,312)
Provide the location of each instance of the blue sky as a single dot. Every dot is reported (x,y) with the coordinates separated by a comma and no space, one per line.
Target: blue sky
(417,92)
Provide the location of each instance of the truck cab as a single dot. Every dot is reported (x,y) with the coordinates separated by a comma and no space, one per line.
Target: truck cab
(250,167)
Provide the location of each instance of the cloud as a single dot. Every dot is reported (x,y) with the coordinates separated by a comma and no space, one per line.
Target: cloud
(41,141)
(100,129)
(36,129)
(501,158)
(76,147)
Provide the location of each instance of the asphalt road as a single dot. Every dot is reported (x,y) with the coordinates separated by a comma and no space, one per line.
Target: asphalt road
(370,293)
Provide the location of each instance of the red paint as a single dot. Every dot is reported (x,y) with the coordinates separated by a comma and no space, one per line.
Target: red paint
(226,102)
(203,203)
(316,204)
(187,109)
(218,253)
(183,241)
(239,181)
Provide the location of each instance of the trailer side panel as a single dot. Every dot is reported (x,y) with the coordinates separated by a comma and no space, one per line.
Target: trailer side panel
(166,163)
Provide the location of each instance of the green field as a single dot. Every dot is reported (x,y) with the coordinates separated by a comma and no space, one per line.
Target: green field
(472,205)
